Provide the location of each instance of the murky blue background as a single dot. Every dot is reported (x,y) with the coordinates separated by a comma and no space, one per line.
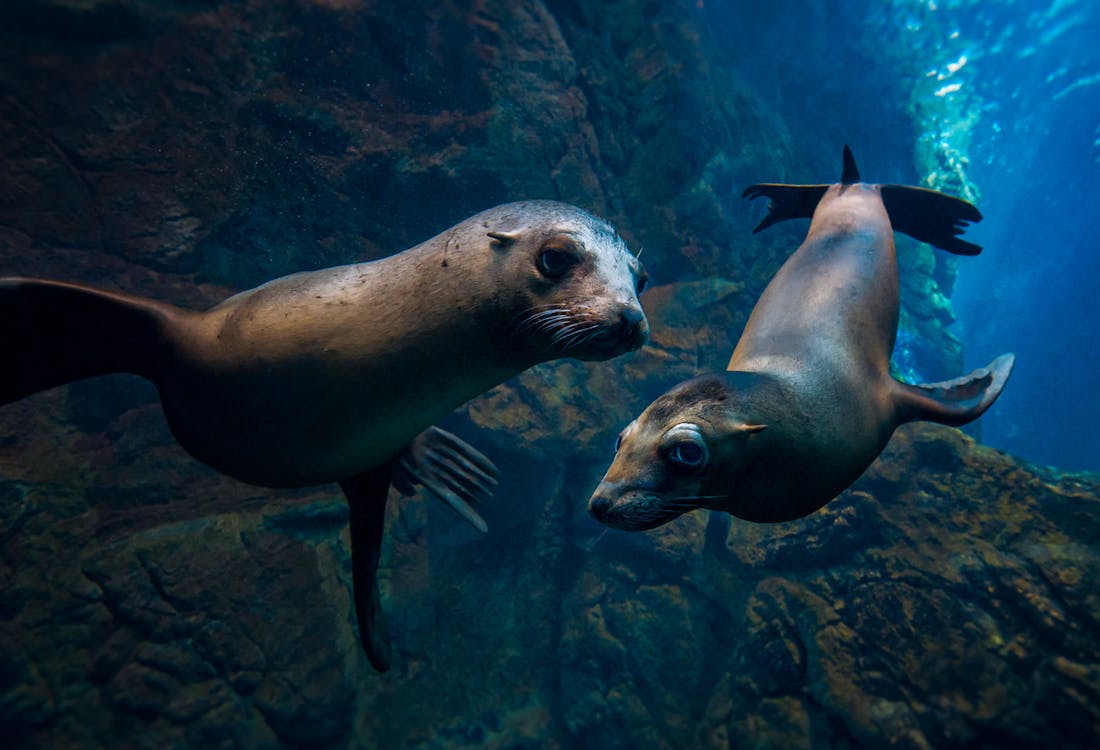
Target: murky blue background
(1005,98)
(1034,80)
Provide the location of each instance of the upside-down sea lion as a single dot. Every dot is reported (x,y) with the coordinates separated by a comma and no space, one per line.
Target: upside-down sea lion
(337,375)
(807,401)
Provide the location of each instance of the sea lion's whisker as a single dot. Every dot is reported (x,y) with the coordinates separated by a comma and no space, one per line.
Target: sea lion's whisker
(544,307)
(594,331)
(568,310)
(538,309)
(645,515)
(588,547)
(549,325)
(566,331)
(537,318)
(545,314)
(681,507)
(578,336)
(564,328)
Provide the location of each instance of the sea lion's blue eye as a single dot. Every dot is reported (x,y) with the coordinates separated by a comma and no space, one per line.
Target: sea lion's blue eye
(554,262)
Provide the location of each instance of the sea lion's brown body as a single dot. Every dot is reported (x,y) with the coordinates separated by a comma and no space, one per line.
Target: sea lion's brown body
(807,401)
(318,376)
(331,375)
(824,329)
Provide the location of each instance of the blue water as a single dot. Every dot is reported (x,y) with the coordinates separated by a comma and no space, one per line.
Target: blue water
(998,102)
(1031,84)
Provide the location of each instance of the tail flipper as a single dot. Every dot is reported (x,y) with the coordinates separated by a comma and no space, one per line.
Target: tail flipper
(954,402)
(787,201)
(53,333)
(931,217)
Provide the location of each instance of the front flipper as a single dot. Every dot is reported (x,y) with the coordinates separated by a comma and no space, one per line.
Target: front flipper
(450,468)
(931,216)
(366,495)
(954,402)
(786,201)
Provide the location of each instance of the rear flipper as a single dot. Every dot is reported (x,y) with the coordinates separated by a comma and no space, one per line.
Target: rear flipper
(954,402)
(366,495)
(54,333)
(446,466)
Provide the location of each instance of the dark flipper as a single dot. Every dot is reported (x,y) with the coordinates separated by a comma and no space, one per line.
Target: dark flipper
(366,496)
(926,215)
(787,201)
(954,402)
(797,201)
(931,217)
(53,333)
(849,174)
(449,468)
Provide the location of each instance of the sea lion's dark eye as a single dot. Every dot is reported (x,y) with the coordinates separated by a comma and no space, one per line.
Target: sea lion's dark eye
(555,262)
(642,282)
(684,449)
(618,442)
(688,454)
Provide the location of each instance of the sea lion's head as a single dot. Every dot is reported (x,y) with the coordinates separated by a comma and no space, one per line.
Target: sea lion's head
(572,284)
(689,449)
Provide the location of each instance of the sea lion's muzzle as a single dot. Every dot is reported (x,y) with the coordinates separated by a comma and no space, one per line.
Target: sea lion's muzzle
(599,505)
(630,510)
(628,334)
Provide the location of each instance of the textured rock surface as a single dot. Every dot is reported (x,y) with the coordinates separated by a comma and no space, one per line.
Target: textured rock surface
(186,150)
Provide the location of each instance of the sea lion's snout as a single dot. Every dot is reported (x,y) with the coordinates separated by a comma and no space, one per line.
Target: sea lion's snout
(633,328)
(599,505)
(606,506)
(630,510)
(627,334)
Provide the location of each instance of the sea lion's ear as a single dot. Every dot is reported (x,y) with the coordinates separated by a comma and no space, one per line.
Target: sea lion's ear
(751,429)
(502,240)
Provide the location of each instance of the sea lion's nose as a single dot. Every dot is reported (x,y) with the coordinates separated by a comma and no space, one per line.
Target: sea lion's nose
(598,506)
(627,332)
(632,326)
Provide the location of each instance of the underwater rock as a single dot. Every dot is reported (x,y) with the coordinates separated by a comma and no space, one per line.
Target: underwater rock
(948,600)
(924,628)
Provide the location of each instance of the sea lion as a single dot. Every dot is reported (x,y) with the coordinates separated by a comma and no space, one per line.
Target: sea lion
(337,375)
(807,401)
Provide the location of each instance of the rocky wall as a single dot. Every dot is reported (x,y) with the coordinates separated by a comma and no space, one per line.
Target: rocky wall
(188,150)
